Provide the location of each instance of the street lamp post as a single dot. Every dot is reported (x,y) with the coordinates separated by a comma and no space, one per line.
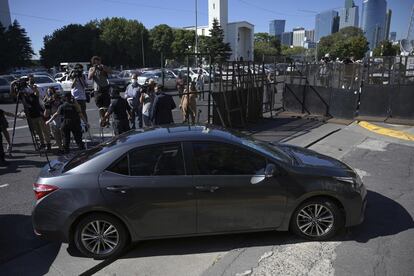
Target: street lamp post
(196,27)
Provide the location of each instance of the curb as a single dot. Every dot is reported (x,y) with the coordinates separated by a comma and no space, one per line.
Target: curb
(387,131)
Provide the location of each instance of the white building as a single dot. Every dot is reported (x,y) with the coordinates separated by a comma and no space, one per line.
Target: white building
(5,18)
(298,37)
(240,35)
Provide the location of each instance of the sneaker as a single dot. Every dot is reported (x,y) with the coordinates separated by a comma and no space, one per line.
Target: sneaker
(8,148)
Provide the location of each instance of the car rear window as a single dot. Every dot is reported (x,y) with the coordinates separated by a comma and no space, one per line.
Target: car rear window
(82,157)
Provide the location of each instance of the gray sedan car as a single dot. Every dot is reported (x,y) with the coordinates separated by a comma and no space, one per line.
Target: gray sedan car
(186,181)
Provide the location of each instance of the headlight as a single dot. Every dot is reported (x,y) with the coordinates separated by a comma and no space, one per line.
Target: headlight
(356,182)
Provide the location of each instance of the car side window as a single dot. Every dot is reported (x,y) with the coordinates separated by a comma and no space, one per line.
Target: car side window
(120,167)
(225,159)
(157,160)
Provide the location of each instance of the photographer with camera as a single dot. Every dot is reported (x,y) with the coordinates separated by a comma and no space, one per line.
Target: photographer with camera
(71,122)
(34,112)
(99,74)
(52,104)
(79,86)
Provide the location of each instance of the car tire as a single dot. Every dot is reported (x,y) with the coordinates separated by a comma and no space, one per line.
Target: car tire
(112,233)
(317,219)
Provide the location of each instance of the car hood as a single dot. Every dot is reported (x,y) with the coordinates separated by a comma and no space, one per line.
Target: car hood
(309,158)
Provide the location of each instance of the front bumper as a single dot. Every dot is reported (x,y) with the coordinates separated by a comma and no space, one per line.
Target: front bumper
(355,208)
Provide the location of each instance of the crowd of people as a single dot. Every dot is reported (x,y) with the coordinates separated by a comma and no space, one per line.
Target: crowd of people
(57,116)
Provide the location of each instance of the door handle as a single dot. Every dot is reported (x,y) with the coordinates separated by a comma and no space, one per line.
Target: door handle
(118,189)
(210,189)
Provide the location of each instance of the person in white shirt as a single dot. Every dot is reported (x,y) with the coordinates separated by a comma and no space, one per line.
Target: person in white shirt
(79,86)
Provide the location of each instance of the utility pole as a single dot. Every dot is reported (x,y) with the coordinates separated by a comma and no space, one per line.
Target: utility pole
(142,46)
(196,26)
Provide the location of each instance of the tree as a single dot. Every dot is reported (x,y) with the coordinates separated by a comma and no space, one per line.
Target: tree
(16,47)
(162,38)
(215,45)
(266,45)
(348,42)
(121,41)
(293,51)
(183,43)
(73,42)
(386,49)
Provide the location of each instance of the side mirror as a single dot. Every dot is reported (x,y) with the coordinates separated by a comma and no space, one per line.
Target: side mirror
(270,170)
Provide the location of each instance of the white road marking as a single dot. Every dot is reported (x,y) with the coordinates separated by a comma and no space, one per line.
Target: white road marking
(4,185)
(20,127)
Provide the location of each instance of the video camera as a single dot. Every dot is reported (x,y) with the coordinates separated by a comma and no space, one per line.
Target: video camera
(18,86)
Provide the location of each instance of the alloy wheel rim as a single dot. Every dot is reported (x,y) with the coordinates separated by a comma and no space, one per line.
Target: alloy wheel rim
(315,220)
(100,237)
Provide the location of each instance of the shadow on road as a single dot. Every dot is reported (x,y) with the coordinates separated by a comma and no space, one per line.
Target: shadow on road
(383,217)
(17,163)
(21,251)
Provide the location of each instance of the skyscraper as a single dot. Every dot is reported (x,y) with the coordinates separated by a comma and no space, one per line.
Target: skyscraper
(326,23)
(393,36)
(387,25)
(310,35)
(277,27)
(287,38)
(298,36)
(5,18)
(349,16)
(373,21)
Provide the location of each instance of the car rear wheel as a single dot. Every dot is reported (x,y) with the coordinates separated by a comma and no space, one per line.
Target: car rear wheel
(317,219)
(100,236)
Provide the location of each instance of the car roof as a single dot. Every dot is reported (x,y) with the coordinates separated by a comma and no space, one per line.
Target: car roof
(175,133)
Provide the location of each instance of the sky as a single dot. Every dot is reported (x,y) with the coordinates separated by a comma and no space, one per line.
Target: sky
(42,17)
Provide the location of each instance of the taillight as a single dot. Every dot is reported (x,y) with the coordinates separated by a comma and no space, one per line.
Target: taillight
(42,190)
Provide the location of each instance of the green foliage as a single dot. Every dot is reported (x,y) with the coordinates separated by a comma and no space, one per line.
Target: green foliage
(386,49)
(266,45)
(15,47)
(121,40)
(183,44)
(215,45)
(293,51)
(162,38)
(70,43)
(348,42)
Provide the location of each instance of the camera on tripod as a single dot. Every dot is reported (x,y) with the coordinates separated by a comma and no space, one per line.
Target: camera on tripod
(18,86)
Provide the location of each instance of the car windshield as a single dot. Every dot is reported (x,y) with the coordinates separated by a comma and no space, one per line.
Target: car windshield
(263,147)
(43,79)
(89,154)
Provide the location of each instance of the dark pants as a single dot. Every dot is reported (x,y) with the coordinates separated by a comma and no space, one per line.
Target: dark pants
(1,149)
(121,126)
(82,104)
(74,127)
(136,114)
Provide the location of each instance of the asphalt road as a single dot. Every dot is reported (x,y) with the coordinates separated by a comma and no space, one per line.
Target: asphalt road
(382,245)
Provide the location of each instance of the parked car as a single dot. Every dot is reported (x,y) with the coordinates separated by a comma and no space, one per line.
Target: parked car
(170,78)
(127,74)
(67,82)
(185,180)
(5,90)
(59,76)
(44,82)
(9,78)
(117,83)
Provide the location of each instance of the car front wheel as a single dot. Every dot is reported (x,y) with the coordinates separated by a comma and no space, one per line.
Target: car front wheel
(100,236)
(317,219)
